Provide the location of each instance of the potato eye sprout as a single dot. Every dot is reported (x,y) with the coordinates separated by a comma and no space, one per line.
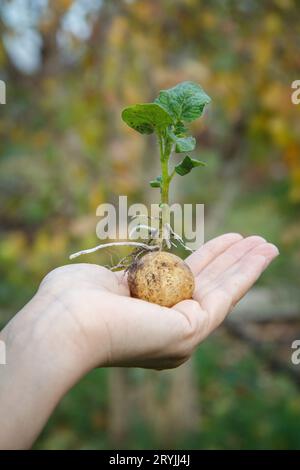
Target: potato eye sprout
(154,274)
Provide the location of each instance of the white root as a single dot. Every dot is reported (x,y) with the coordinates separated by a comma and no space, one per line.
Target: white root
(107,245)
(167,233)
(123,263)
(177,237)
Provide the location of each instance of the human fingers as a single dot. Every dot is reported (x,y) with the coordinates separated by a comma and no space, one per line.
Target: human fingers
(198,260)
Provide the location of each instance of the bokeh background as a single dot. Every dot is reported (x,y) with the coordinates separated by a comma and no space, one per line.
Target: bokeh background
(70,67)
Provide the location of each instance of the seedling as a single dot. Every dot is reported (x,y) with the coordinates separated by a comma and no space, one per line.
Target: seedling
(154,274)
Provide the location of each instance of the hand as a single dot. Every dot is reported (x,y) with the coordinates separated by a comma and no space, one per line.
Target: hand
(82,317)
(109,328)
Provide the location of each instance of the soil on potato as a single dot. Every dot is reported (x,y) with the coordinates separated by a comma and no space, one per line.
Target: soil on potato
(161,278)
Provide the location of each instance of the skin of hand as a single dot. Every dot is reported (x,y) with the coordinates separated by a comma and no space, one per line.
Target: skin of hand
(83,317)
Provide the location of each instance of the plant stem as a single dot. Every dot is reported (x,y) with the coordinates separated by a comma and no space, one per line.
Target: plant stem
(165,146)
(165,182)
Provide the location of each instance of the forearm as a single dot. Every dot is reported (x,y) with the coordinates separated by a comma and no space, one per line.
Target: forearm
(40,369)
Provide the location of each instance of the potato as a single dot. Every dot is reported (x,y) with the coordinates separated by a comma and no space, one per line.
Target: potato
(161,278)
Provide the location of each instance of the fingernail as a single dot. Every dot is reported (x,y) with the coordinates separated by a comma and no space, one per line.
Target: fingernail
(276,250)
(269,259)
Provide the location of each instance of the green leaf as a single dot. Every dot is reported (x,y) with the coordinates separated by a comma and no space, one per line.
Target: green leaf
(156,183)
(144,118)
(185,144)
(187,165)
(184,102)
(180,129)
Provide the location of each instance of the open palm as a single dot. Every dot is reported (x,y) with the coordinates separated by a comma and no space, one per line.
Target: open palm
(115,329)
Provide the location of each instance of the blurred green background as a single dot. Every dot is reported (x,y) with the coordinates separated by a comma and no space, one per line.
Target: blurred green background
(70,67)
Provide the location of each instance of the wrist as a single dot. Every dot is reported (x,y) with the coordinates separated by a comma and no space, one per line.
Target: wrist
(42,364)
(49,347)
(37,341)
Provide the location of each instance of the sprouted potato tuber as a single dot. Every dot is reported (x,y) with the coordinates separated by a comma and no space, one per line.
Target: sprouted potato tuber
(161,278)
(154,274)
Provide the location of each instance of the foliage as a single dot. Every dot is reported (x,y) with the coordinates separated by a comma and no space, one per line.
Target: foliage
(147,118)
(167,116)
(184,102)
(187,165)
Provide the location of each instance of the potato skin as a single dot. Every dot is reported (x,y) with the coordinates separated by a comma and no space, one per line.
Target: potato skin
(161,278)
